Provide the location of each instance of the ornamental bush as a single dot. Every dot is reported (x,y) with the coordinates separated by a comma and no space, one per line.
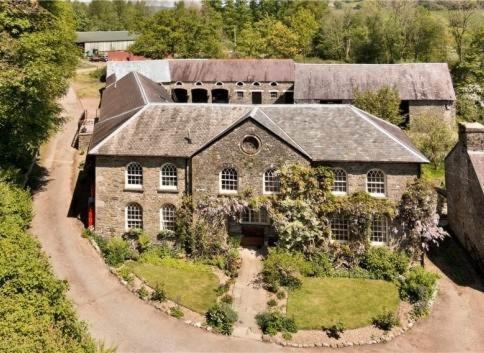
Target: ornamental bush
(383,263)
(272,322)
(335,330)
(118,250)
(418,285)
(386,321)
(222,318)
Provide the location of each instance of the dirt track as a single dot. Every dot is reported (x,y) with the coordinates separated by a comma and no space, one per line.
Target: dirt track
(119,318)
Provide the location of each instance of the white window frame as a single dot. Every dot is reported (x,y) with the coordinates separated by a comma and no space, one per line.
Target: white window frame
(337,192)
(384,230)
(377,194)
(129,186)
(257,214)
(168,187)
(264,180)
(170,210)
(127,220)
(225,191)
(343,225)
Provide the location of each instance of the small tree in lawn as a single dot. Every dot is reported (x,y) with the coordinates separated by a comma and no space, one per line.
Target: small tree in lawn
(417,217)
(383,103)
(433,136)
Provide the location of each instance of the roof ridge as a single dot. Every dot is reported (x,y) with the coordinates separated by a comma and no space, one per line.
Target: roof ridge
(141,88)
(117,115)
(387,133)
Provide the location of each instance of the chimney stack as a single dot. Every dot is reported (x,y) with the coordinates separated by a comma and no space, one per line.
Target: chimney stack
(472,136)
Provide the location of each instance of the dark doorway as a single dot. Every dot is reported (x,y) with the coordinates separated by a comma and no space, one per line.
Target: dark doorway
(199,95)
(179,95)
(289,97)
(256,97)
(220,95)
(252,235)
(325,101)
(405,111)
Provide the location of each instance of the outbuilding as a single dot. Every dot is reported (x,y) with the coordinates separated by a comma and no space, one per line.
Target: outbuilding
(104,41)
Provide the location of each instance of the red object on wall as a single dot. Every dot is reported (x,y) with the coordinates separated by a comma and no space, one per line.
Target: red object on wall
(90,216)
(90,207)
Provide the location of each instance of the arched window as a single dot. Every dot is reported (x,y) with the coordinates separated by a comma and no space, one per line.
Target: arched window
(134,175)
(271,181)
(340,181)
(198,83)
(167,217)
(218,83)
(240,83)
(228,180)
(168,177)
(134,216)
(274,83)
(256,83)
(179,83)
(375,182)
(379,230)
(340,228)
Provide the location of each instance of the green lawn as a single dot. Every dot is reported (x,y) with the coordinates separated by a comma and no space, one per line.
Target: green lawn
(322,302)
(192,285)
(434,176)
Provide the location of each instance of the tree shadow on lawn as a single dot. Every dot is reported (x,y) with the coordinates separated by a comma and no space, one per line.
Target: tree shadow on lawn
(454,261)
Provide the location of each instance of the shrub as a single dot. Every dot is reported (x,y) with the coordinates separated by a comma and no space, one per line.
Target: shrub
(383,263)
(272,303)
(227,298)
(272,322)
(280,294)
(157,252)
(117,251)
(287,336)
(176,312)
(385,321)
(223,288)
(232,263)
(335,330)
(144,242)
(159,294)
(143,293)
(284,268)
(322,265)
(125,273)
(418,285)
(222,318)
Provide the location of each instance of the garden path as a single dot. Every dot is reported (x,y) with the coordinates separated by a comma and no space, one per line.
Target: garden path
(249,296)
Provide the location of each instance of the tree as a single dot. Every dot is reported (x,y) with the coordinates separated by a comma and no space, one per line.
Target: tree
(37,56)
(433,136)
(459,25)
(417,216)
(304,25)
(384,103)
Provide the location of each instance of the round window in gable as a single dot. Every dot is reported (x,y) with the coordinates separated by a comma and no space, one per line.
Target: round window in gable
(250,145)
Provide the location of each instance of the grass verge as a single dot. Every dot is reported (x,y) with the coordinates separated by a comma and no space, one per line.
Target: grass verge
(190,284)
(322,302)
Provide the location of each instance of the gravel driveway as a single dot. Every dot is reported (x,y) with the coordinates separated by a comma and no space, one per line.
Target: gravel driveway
(119,318)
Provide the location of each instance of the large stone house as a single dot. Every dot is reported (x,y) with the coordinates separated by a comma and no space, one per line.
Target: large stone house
(147,152)
(423,87)
(464,178)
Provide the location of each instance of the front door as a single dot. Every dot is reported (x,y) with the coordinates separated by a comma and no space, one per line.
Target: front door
(256,97)
(252,235)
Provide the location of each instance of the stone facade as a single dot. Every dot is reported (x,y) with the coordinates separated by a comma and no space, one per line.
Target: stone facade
(397,176)
(271,92)
(112,197)
(464,175)
(443,109)
(203,175)
(226,152)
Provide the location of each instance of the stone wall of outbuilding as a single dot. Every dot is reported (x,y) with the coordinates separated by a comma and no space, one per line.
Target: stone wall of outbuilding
(442,109)
(282,91)
(465,195)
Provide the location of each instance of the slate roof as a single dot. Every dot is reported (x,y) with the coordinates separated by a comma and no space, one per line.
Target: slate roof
(232,70)
(320,132)
(124,98)
(104,36)
(428,81)
(156,70)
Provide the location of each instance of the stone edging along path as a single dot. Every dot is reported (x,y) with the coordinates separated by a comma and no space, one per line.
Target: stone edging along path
(301,339)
